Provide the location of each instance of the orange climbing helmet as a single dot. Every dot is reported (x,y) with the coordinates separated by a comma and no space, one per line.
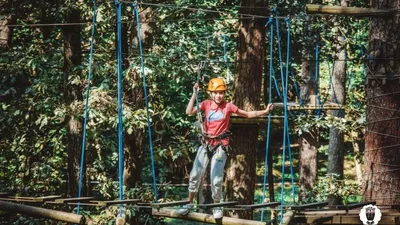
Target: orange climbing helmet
(216,84)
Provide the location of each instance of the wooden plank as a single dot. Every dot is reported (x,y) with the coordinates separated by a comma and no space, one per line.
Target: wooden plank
(22,197)
(345,212)
(288,217)
(41,212)
(275,120)
(143,203)
(33,199)
(65,200)
(168,204)
(213,205)
(309,106)
(19,200)
(342,219)
(49,197)
(309,205)
(204,218)
(354,205)
(261,205)
(86,204)
(116,202)
(348,11)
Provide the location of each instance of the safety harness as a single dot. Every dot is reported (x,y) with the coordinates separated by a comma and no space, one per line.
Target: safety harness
(206,139)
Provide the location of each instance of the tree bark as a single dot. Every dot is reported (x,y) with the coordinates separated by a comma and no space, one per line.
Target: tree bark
(73,93)
(6,32)
(308,162)
(308,141)
(250,57)
(358,159)
(381,181)
(135,142)
(336,137)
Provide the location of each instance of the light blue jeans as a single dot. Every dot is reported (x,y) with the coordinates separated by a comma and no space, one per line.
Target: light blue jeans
(200,164)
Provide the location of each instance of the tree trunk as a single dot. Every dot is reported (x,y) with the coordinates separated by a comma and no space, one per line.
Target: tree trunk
(250,57)
(6,31)
(308,162)
(381,181)
(73,93)
(358,159)
(135,141)
(336,137)
(308,141)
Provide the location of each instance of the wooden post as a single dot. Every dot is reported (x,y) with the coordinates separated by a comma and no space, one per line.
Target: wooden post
(287,217)
(346,11)
(41,212)
(205,218)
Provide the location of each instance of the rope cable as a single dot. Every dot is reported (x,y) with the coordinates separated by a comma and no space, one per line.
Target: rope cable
(120,127)
(86,106)
(135,12)
(271,47)
(284,92)
(286,107)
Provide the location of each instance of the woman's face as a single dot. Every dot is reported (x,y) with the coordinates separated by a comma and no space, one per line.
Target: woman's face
(218,96)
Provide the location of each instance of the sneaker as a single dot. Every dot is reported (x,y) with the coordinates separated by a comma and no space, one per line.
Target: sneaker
(218,213)
(185,210)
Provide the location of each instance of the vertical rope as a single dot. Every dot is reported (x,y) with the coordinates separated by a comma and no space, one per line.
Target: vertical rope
(284,92)
(271,48)
(225,55)
(135,12)
(86,106)
(120,134)
(287,20)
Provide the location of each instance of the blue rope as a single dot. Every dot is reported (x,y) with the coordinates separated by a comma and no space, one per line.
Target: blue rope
(135,12)
(286,107)
(225,55)
(271,48)
(120,134)
(316,79)
(86,106)
(296,88)
(276,85)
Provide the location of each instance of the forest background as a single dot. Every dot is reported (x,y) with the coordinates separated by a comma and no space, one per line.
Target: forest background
(45,49)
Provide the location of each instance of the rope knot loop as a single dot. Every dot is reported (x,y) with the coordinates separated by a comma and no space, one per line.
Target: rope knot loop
(270,19)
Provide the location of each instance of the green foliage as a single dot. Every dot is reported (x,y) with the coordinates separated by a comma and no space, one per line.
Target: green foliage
(332,186)
(33,110)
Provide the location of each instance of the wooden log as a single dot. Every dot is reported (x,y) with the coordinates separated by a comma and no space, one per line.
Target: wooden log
(41,212)
(347,11)
(205,218)
(287,217)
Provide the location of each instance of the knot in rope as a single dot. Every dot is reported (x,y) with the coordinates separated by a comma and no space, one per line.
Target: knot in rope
(287,20)
(270,19)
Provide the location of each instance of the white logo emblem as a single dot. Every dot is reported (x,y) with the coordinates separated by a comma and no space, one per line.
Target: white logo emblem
(370,215)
